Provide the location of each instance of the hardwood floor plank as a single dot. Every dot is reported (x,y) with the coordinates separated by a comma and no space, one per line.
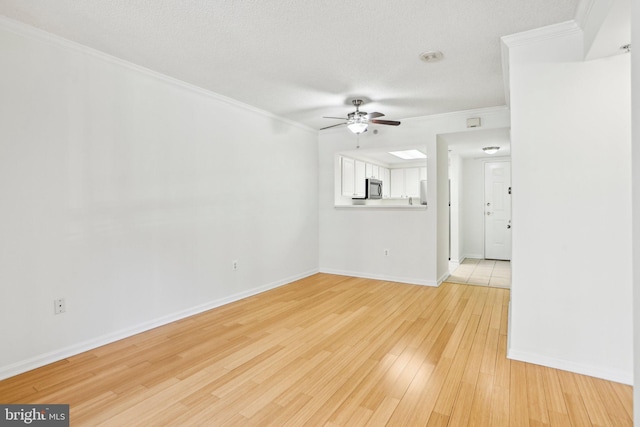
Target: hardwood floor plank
(625,394)
(538,412)
(320,408)
(462,408)
(575,405)
(518,395)
(594,406)
(326,350)
(553,392)
(499,416)
(279,383)
(481,405)
(383,412)
(438,420)
(615,408)
(278,417)
(369,385)
(503,365)
(451,387)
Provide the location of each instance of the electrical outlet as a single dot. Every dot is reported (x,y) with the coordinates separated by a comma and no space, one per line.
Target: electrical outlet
(235,264)
(386,252)
(58,306)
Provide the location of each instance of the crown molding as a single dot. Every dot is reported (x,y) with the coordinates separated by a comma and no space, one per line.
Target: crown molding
(506,70)
(584,9)
(37,34)
(465,113)
(563,29)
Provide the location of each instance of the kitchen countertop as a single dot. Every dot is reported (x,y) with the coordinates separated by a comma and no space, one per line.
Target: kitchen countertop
(401,207)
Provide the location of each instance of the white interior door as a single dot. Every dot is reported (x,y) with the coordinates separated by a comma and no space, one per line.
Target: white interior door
(497,210)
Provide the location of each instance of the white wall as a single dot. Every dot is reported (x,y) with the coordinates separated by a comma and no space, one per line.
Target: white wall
(129,195)
(352,240)
(571,271)
(457,233)
(442,205)
(472,210)
(635,110)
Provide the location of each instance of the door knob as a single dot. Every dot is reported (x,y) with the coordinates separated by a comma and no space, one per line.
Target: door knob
(488,213)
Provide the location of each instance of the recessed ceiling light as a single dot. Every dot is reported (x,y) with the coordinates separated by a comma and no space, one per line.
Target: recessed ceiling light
(431,56)
(490,150)
(409,154)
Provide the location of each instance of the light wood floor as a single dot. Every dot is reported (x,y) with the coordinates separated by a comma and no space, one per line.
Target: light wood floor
(327,350)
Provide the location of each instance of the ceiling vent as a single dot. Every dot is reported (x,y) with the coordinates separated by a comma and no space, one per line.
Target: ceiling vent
(431,56)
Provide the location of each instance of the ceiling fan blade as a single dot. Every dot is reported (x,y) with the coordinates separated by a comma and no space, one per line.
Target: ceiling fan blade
(339,118)
(339,124)
(375,114)
(385,122)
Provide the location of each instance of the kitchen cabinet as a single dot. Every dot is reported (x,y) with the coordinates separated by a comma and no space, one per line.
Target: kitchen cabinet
(353,177)
(360,179)
(372,171)
(397,183)
(385,177)
(405,182)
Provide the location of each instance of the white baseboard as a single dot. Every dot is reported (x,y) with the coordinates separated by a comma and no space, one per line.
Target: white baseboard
(72,350)
(457,261)
(566,365)
(442,278)
(400,279)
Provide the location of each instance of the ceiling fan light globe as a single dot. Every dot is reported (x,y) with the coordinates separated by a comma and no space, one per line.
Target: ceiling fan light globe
(357,127)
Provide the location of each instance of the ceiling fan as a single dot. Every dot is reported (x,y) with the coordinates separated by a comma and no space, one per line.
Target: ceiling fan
(358,121)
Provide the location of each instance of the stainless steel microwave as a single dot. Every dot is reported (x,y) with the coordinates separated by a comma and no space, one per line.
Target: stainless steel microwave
(373,188)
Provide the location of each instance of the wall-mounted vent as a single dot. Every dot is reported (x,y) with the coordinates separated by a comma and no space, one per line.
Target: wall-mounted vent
(473,122)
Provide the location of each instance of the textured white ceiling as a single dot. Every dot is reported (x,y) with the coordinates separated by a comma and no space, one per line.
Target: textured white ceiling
(306,59)
(469,144)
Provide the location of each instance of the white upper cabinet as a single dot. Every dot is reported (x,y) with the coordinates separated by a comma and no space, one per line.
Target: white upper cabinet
(412,182)
(397,183)
(348,176)
(373,171)
(385,177)
(360,177)
(353,177)
(405,182)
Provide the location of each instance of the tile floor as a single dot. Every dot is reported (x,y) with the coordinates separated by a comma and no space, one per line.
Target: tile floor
(483,272)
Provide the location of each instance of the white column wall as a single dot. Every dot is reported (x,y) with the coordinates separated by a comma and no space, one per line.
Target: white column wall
(473,209)
(457,233)
(571,271)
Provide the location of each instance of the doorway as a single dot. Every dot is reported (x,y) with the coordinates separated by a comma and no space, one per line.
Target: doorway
(497,210)
(475,237)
